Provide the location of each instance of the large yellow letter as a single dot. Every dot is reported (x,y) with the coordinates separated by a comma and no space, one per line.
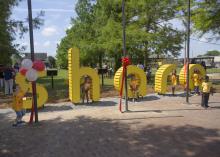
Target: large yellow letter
(161,77)
(192,67)
(75,73)
(139,73)
(42,94)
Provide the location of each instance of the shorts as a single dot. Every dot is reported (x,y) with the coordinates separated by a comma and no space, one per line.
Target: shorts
(20,114)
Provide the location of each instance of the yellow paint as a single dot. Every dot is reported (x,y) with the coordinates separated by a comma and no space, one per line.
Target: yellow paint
(139,73)
(26,86)
(74,75)
(192,67)
(161,77)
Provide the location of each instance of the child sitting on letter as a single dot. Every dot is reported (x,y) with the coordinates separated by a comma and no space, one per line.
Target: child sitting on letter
(134,87)
(85,88)
(173,81)
(196,80)
(17,105)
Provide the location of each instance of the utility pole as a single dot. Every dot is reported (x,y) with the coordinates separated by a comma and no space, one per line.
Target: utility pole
(187,56)
(124,53)
(32,57)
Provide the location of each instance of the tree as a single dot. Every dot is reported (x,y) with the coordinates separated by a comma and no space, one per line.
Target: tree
(52,61)
(206,17)
(62,50)
(81,35)
(10,28)
(212,53)
(97,30)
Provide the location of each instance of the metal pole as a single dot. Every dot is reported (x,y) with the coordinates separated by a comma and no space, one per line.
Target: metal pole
(124,52)
(188,48)
(32,57)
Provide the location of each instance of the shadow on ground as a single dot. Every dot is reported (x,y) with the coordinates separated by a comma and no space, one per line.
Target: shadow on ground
(89,137)
(103,103)
(146,98)
(172,110)
(55,108)
(176,95)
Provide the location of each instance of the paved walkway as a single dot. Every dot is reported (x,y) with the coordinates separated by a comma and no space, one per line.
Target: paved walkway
(158,126)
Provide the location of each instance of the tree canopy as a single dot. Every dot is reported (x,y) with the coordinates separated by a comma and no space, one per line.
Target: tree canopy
(206,17)
(212,53)
(97,31)
(10,28)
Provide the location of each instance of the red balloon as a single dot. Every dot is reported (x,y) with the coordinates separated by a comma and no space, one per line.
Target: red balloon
(38,65)
(23,71)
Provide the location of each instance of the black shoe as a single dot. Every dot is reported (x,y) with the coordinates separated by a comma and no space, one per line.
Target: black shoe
(15,124)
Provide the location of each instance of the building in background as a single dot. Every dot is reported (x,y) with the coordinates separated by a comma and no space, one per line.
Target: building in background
(37,56)
(217,61)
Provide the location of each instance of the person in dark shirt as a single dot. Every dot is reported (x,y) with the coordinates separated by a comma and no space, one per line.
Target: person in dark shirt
(1,77)
(8,80)
(203,64)
(16,67)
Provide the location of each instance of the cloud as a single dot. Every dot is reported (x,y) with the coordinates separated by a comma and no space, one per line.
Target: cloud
(55,16)
(69,26)
(45,9)
(57,42)
(47,44)
(24,44)
(36,43)
(49,31)
(203,39)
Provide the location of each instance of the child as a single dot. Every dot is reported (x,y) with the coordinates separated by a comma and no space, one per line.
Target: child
(18,105)
(86,86)
(173,81)
(196,79)
(206,90)
(134,87)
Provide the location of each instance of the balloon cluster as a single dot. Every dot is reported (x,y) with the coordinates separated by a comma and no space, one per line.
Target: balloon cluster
(30,69)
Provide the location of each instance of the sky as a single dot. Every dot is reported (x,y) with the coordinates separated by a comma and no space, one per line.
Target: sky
(58,14)
(57,20)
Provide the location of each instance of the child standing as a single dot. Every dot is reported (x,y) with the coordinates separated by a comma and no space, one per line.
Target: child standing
(173,81)
(206,90)
(18,105)
(196,79)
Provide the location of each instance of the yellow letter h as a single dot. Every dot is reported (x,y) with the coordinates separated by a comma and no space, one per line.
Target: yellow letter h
(75,73)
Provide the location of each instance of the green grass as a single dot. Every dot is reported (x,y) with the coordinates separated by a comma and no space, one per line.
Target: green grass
(107,81)
(213,70)
(60,90)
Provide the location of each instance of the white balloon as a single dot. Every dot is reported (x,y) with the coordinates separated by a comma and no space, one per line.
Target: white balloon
(31,75)
(27,64)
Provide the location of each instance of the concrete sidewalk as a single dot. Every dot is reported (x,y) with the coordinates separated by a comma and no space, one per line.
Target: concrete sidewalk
(158,126)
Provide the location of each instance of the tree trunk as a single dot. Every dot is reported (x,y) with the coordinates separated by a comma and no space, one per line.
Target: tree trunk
(100,60)
(117,59)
